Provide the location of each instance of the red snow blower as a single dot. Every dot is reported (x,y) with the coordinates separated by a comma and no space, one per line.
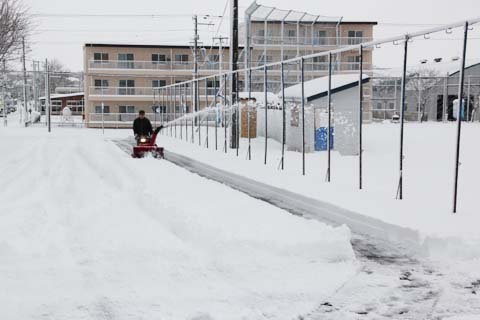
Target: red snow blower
(146,145)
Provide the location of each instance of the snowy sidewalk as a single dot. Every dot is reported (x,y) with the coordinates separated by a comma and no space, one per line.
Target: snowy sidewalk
(87,232)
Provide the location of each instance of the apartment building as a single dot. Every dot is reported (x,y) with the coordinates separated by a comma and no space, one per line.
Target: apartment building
(120,79)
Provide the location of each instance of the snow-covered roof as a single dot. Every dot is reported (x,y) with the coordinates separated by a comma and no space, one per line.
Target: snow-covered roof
(66,95)
(444,68)
(318,87)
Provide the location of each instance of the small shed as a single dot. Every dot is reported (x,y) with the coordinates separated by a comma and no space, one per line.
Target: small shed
(345,111)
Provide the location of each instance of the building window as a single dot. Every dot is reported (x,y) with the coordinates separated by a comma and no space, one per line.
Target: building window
(181,58)
(98,109)
(353,63)
(355,37)
(319,63)
(379,106)
(158,83)
(126,87)
(100,57)
(126,109)
(320,37)
(159,58)
(125,60)
(101,85)
(391,105)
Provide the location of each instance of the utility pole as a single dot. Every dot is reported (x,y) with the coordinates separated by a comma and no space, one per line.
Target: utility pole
(233,67)
(220,53)
(24,82)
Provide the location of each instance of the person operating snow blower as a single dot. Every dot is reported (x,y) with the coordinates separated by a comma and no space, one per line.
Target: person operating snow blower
(145,137)
(142,126)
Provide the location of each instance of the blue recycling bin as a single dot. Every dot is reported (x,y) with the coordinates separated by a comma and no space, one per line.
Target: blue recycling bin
(321,138)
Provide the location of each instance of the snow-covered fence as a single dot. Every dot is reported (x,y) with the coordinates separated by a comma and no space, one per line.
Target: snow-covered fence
(349,120)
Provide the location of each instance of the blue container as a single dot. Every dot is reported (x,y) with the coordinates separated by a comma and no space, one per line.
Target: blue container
(321,138)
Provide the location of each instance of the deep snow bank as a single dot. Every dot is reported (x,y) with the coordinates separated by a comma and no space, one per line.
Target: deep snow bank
(87,232)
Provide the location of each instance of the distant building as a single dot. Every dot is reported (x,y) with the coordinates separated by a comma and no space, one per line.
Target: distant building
(74,101)
(123,77)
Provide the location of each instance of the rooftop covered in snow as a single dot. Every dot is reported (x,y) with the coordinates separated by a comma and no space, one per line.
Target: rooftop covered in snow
(318,88)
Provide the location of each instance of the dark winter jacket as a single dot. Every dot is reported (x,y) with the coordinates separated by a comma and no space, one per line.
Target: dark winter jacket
(142,127)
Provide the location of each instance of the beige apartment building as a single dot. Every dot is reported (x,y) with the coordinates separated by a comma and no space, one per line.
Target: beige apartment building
(122,78)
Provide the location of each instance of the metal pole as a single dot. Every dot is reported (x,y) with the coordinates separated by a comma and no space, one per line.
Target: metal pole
(34,81)
(47,95)
(249,151)
(175,109)
(402,116)
(216,110)
(265,82)
(284,136)
(459,116)
(4,100)
(302,74)
(360,122)
(170,101)
(154,107)
(206,108)
(238,119)
(445,99)
(224,111)
(467,118)
(199,122)
(329,108)
(103,118)
(192,103)
(25,98)
(234,77)
(182,110)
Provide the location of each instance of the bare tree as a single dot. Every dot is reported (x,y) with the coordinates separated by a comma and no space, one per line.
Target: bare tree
(421,83)
(14,25)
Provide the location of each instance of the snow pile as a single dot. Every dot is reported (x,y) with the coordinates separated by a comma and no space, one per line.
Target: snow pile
(86,232)
(428,178)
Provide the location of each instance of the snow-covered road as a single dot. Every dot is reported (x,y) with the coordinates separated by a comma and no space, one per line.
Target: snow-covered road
(86,232)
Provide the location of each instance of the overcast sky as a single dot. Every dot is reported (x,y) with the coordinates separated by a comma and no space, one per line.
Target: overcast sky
(58,35)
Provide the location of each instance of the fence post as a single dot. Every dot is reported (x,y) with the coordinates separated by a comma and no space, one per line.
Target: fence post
(329,108)
(175,109)
(402,116)
(265,82)
(360,122)
(302,74)
(238,117)
(216,110)
(182,113)
(192,103)
(206,108)
(459,116)
(224,111)
(284,136)
(249,151)
(198,117)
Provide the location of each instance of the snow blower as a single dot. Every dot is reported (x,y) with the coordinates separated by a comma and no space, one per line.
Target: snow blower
(146,145)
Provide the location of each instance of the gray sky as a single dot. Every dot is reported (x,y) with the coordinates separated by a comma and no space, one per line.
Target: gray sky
(62,36)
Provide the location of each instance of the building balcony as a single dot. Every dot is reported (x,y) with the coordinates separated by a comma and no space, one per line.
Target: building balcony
(327,42)
(167,67)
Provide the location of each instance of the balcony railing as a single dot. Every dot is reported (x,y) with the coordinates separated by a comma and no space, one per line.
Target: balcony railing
(308,41)
(151,65)
(129,117)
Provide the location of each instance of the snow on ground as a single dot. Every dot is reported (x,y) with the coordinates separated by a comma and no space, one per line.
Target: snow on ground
(86,232)
(428,178)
